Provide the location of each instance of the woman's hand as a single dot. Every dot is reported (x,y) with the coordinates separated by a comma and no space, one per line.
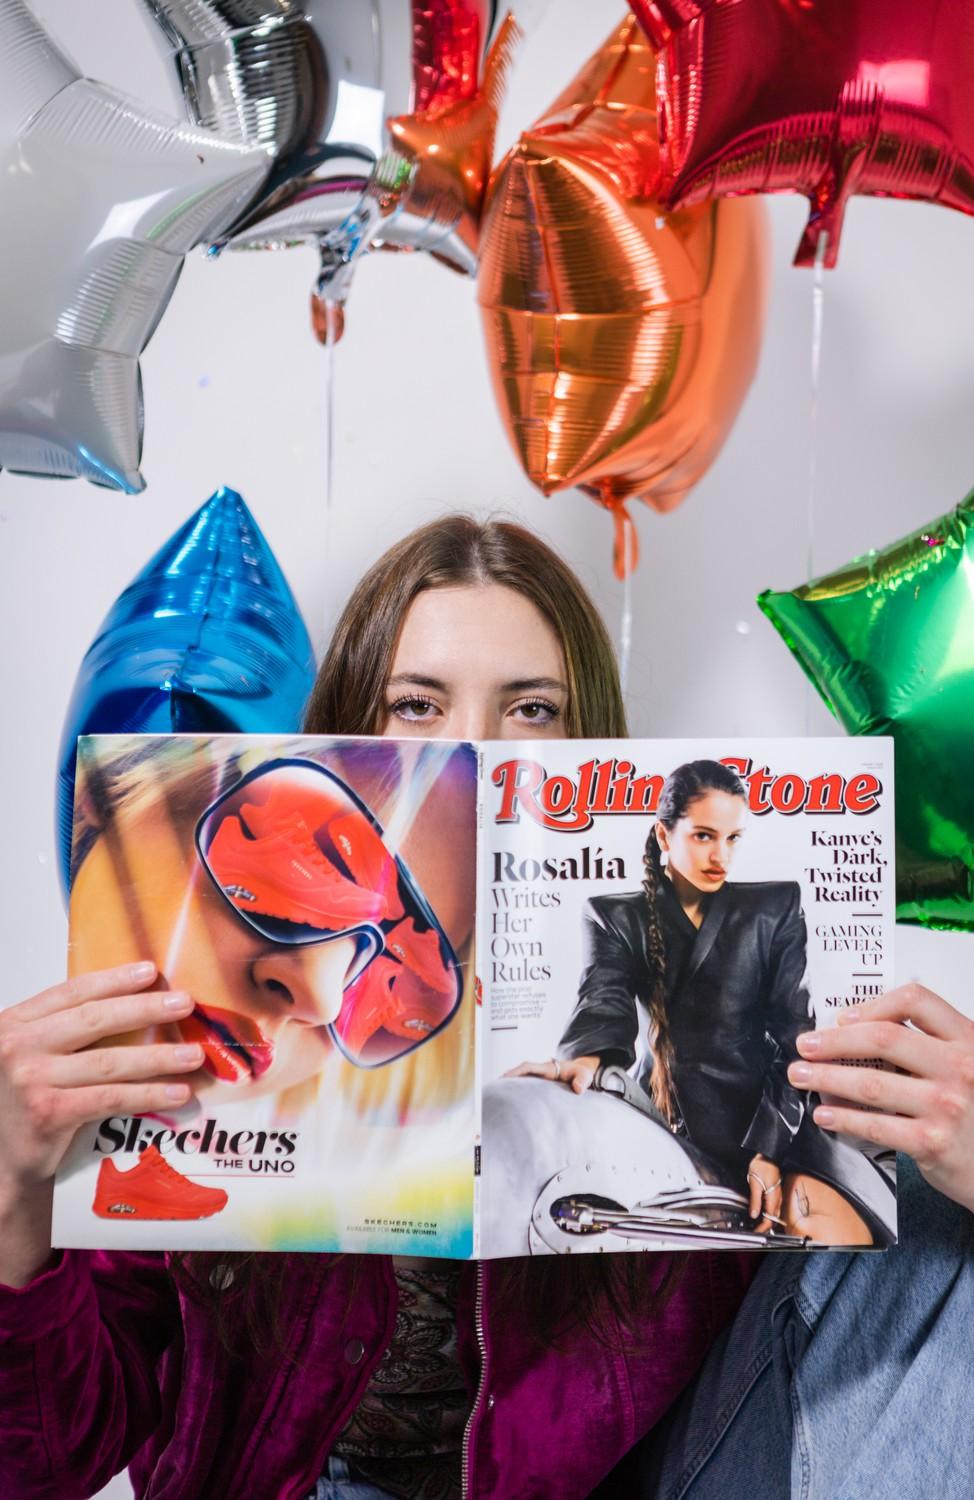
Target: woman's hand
(578,1072)
(926,1108)
(765,1192)
(52,1079)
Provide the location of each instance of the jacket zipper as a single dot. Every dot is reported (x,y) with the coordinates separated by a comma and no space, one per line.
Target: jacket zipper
(482,1346)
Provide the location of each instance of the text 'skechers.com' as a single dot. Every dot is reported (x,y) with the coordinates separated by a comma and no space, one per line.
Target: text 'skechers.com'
(402,952)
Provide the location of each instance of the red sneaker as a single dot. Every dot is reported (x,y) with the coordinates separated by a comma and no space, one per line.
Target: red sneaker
(366,1004)
(152,1189)
(362,849)
(368,859)
(284,800)
(420,951)
(389,998)
(419,1009)
(285,875)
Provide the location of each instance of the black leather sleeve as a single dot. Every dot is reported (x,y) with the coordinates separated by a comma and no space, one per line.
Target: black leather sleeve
(605,1021)
(788,1012)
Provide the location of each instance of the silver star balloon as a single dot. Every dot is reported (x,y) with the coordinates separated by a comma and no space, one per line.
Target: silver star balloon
(100,200)
(380,114)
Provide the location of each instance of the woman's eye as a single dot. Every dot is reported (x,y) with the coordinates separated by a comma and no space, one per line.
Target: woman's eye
(537,711)
(414,710)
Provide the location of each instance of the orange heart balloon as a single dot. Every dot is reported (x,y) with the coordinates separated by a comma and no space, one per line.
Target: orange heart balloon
(621,340)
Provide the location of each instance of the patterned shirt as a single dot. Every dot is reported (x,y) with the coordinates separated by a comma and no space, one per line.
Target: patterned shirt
(406,1434)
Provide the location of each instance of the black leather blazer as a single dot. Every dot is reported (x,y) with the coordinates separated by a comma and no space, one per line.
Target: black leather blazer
(736,1000)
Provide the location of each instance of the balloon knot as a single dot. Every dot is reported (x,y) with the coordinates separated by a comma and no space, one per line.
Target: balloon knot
(625,546)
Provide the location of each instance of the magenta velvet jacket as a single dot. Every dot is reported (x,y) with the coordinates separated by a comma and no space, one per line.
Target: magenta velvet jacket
(103,1364)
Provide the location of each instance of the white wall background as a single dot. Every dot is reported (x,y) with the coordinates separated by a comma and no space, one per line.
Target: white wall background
(235,393)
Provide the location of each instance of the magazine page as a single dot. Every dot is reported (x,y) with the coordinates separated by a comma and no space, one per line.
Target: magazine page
(315,898)
(659,921)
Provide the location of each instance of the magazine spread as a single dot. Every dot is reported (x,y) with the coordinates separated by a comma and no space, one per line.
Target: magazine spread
(604,1069)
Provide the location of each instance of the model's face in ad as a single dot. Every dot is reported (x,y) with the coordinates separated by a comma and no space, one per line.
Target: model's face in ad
(702,843)
(477,663)
(261,1009)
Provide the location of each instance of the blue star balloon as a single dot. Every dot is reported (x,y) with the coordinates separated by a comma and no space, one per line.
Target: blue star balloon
(207,637)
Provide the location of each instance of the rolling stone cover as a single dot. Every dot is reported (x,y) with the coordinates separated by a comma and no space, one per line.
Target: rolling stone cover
(400,950)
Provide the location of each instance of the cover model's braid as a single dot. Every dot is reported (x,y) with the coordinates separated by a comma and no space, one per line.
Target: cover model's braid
(682,787)
(661,1080)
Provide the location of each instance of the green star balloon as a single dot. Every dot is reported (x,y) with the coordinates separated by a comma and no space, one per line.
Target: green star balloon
(888,641)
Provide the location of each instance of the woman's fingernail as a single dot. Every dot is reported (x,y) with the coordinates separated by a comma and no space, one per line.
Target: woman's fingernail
(141,971)
(178,1091)
(809,1041)
(188,1054)
(799,1072)
(824,1116)
(175,1002)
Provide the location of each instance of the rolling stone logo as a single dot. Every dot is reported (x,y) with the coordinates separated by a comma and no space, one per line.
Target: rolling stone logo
(569,804)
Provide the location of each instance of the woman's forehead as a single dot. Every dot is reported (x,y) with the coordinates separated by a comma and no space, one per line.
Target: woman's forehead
(715,805)
(486,630)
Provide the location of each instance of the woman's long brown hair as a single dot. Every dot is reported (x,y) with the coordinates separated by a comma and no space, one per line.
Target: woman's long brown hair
(608,1294)
(457,552)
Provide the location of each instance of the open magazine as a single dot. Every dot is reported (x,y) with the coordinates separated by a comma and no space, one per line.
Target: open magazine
(400,950)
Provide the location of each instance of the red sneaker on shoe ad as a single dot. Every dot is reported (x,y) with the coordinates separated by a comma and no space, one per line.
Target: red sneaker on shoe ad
(152,1189)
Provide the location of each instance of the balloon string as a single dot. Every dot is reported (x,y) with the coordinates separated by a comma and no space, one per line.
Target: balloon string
(625,623)
(329,426)
(329,346)
(327,325)
(818,321)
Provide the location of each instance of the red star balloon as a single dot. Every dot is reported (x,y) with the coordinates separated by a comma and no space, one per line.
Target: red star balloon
(822,97)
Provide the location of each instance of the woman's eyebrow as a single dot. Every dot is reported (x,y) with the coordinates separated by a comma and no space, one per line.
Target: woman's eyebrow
(533,684)
(416,679)
(519,685)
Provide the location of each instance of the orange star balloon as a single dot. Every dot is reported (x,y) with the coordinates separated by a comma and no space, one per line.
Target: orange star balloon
(621,340)
(453,142)
(450,141)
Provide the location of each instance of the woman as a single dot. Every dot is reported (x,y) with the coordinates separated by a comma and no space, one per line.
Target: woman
(717,968)
(364,1379)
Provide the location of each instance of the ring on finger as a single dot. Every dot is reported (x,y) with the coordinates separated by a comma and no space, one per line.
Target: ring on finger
(766,1188)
